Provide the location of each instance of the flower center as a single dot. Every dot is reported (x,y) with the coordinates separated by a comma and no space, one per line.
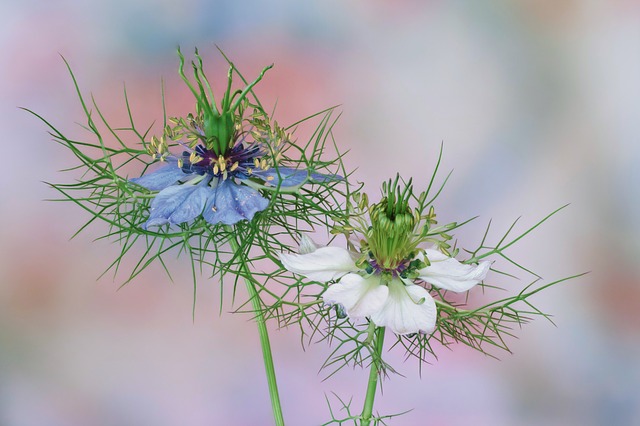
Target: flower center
(397,271)
(239,160)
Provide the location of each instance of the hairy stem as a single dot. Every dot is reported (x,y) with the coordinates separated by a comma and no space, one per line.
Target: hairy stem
(374,374)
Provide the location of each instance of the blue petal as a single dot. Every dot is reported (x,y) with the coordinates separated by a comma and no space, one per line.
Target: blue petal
(232,203)
(291,177)
(161,178)
(179,204)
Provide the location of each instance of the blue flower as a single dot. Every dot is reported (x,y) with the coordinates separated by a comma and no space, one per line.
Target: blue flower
(215,186)
(217,175)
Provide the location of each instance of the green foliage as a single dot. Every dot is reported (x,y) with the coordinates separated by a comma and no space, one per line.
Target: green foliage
(392,231)
(104,191)
(345,416)
(486,329)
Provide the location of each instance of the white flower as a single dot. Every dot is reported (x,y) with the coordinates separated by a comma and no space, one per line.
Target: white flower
(397,303)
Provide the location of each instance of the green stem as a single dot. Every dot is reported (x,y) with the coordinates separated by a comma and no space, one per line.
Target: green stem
(374,374)
(264,339)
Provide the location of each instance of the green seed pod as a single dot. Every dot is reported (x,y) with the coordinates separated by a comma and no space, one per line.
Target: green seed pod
(392,226)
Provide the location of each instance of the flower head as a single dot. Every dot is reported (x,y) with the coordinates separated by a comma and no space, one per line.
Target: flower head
(384,279)
(222,166)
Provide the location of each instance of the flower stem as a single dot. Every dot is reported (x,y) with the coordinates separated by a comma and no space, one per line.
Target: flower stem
(374,374)
(264,339)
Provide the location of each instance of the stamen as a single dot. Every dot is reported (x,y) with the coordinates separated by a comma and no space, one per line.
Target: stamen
(194,158)
(234,166)
(162,146)
(193,141)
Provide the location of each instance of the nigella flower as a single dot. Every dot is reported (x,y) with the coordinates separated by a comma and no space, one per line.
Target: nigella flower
(385,281)
(218,167)
(389,300)
(215,186)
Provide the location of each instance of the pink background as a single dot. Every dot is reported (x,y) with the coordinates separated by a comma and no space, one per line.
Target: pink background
(538,104)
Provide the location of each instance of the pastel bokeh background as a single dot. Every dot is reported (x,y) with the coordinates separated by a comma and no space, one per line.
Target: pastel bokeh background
(537,103)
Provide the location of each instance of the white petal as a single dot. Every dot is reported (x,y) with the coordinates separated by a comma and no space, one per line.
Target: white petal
(324,264)
(409,309)
(449,274)
(307,245)
(360,297)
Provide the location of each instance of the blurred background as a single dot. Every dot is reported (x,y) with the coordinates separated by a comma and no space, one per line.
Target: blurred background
(537,104)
